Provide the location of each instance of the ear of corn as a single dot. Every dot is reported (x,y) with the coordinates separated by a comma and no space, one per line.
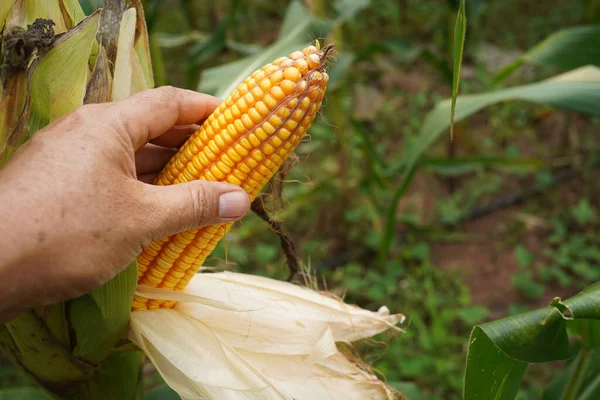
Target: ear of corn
(244,142)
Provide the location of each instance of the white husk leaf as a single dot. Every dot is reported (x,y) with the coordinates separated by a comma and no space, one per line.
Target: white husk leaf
(237,336)
(124,63)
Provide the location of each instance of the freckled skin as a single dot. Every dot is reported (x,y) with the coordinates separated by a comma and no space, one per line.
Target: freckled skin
(77,212)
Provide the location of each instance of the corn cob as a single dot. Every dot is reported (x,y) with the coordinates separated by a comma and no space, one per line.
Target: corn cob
(244,142)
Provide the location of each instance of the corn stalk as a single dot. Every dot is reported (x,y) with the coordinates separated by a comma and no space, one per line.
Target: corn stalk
(54,59)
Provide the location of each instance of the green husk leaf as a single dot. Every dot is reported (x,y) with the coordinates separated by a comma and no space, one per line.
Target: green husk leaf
(5,8)
(13,104)
(142,45)
(118,377)
(48,9)
(55,319)
(101,317)
(42,355)
(57,81)
(124,63)
(74,12)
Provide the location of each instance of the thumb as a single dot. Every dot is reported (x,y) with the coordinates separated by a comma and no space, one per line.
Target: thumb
(195,204)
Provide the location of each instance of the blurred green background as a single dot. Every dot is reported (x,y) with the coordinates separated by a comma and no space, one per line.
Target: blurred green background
(498,221)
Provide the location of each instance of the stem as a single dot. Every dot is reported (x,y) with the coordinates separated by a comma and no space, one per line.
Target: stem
(390,227)
(577,374)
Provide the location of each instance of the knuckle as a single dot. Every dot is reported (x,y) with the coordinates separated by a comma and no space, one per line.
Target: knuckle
(200,203)
(168,91)
(87,112)
(163,98)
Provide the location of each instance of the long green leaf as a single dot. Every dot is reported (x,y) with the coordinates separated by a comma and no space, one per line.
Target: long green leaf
(296,31)
(566,49)
(577,93)
(577,90)
(460,31)
(500,350)
(100,318)
(58,81)
(346,9)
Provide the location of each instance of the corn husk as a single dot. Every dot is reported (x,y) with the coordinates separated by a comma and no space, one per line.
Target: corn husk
(237,336)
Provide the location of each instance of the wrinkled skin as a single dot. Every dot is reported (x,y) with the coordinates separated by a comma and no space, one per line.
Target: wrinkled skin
(76,206)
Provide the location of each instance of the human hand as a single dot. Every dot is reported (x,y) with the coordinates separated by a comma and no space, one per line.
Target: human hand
(75,208)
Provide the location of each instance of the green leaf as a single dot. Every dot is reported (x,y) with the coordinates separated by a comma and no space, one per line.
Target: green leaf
(24,394)
(577,96)
(583,212)
(41,354)
(100,318)
(295,32)
(566,49)
(210,48)
(296,14)
(57,82)
(298,29)
(591,382)
(500,350)
(162,392)
(346,9)
(409,390)
(460,31)
(577,90)
(74,12)
(502,374)
(523,256)
(90,5)
(118,377)
(473,314)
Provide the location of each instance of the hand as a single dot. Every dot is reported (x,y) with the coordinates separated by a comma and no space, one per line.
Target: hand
(75,209)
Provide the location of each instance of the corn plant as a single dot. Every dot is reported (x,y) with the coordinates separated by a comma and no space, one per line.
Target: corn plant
(54,59)
(500,351)
(245,331)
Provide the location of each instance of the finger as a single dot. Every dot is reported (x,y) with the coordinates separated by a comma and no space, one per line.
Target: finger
(152,158)
(176,136)
(148,114)
(192,205)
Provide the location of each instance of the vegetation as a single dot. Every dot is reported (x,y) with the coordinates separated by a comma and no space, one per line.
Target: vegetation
(473,238)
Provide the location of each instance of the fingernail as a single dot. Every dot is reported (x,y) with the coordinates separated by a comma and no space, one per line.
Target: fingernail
(233,205)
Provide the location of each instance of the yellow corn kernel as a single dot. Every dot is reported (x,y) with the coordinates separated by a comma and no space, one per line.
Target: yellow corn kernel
(244,142)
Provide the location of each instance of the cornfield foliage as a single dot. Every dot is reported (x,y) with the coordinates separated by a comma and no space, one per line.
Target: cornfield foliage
(72,69)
